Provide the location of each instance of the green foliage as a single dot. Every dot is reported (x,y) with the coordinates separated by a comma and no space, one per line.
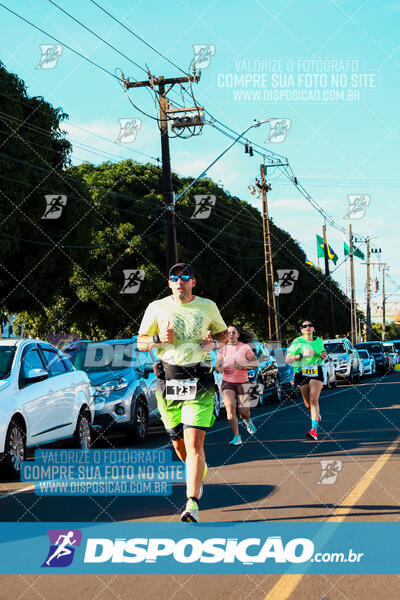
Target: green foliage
(115,220)
(392,331)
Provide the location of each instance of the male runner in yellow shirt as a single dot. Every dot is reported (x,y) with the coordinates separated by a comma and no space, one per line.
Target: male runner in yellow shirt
(181,326)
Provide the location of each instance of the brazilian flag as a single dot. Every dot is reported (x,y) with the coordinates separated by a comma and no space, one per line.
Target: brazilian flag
(320,250)
(356,251)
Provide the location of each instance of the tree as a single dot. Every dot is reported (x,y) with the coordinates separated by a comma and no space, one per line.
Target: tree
(34,269)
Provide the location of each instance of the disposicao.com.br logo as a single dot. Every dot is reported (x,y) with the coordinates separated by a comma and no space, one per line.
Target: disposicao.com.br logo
(190,550)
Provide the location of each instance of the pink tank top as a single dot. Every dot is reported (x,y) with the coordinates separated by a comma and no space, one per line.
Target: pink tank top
(241,353)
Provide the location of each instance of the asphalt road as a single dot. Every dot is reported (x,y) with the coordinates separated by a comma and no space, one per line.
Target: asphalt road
(274,476)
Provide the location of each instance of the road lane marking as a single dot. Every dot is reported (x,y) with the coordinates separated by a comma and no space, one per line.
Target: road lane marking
(286,584)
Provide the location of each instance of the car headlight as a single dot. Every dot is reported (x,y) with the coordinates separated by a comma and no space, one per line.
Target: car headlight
(109,386)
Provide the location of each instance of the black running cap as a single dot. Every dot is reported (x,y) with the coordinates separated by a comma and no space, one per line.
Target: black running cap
(181,267)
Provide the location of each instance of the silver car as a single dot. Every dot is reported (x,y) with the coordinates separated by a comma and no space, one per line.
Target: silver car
(123,382)
(345,359)
(367,361)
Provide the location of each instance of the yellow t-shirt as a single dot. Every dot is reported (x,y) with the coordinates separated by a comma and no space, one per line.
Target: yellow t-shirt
(191,322)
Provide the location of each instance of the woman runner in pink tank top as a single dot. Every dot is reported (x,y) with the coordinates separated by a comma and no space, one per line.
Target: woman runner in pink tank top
(233,361)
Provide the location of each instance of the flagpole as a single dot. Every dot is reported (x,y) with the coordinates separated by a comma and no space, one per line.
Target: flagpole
(328,285)
(353,292)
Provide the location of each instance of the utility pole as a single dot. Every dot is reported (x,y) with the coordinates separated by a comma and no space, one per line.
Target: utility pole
(170,222)
(269,270)
(352,290)
(383,303)
(167,189)
(384,268)
(368,307)
(328,285)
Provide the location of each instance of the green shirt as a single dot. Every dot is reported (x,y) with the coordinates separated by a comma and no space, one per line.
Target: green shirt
(190,320)
(299,345)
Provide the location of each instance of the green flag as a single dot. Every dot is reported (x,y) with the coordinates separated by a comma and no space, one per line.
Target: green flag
(356,252)
(320,250)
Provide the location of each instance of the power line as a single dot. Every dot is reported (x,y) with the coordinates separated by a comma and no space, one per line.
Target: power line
(81,181)
(60,42)
(102,137)
(138,37)
(96,35)
(36,242)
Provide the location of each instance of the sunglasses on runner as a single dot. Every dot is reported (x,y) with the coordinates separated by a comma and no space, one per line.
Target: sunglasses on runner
(306,325)
(175,278)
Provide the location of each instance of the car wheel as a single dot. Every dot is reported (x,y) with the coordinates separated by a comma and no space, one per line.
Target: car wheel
(14,451)
(217,403)
(351,377)
(139,429)
(83,432)
(333,383)
(277,393)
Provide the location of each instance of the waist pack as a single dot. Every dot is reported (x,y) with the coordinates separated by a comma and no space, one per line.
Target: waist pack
(198,371)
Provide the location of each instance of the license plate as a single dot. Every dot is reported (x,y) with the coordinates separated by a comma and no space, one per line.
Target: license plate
(181,389)
(310,371)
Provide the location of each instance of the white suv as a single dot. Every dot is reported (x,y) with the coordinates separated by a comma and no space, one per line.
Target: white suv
(43,399)
(345,359)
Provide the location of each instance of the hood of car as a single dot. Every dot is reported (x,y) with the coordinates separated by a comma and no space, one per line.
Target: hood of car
(339,356)
(103,376)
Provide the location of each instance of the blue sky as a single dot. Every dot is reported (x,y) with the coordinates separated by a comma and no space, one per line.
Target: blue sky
(348,144)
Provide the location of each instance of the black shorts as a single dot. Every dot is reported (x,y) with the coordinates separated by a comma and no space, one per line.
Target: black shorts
(301,379)
(239,388)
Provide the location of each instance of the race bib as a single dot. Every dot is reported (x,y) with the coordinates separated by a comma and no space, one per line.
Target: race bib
(310,371)
(180,389)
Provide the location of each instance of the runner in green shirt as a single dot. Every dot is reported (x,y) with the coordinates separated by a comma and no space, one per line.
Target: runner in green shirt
(307,353)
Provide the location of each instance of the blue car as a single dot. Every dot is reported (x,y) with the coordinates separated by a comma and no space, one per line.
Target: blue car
(123,382)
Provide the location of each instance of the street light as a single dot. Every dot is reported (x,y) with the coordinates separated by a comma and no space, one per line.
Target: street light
(254,124)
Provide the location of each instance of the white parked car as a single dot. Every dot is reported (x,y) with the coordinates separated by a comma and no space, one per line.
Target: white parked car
(329,372)
(368,362)
(345,359)
(43,399)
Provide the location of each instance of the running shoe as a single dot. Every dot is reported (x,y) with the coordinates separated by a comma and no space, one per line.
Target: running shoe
(204,476)
(312,435)
(251,428)
(191,512)
(236,441)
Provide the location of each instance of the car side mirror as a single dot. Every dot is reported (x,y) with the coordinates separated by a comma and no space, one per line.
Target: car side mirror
(147,369)
(35,375)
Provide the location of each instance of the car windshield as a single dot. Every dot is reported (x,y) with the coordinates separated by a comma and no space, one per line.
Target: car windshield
(396,345)
(279,354)
(363,353)
(335,347)
(370,347)
(95,357)
(388,347)
(6,359)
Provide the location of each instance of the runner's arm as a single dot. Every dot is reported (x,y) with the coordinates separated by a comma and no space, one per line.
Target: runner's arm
(289,358)
(221,337)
